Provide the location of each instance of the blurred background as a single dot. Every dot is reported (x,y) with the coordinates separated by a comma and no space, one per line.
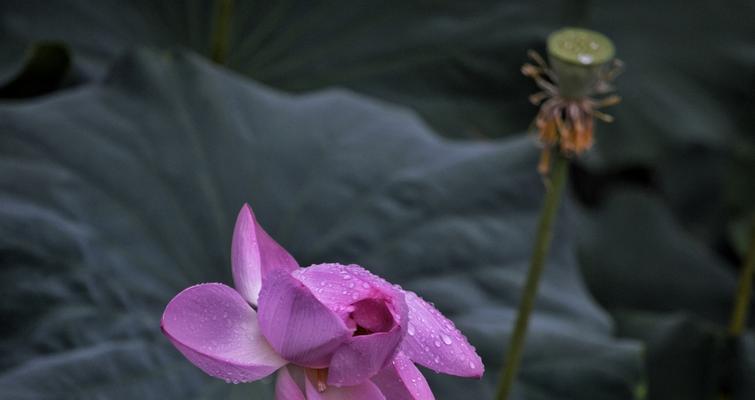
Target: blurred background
(390,134)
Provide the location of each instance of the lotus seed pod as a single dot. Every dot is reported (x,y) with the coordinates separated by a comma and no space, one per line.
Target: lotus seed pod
(578,56)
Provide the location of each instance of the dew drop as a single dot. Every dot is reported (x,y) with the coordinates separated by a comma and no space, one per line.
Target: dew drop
(365,285)
(437,343)
(471,365)
(410,330)
(346,277)
(446,338)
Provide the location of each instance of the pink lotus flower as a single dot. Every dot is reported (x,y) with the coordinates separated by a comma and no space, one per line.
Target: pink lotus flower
(331,331)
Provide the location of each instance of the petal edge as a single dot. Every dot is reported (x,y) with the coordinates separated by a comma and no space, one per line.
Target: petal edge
(433,341)
(254,255)
(401,380)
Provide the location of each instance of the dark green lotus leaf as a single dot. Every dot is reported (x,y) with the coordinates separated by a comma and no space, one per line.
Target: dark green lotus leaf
(636,256)
(119,369)
(686,357)
(457,63)
(117,195)
(689,358)
(666,288)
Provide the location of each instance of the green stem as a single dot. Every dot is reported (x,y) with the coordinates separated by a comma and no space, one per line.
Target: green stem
(554,188)
(221,30)
(742,300)
(744,289)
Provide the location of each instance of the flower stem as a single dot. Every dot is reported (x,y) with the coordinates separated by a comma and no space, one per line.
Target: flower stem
(554,189)
(744,289)
(742,300)
(221,30)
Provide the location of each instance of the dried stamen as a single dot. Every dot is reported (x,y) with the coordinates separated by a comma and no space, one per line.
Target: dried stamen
(567,123)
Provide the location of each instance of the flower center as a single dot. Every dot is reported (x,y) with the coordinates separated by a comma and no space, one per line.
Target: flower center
(372,316)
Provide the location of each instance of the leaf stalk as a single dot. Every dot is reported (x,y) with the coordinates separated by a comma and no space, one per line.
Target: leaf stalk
(221,31)
(743,297)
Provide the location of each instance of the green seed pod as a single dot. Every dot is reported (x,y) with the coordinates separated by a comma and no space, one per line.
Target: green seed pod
(578,56)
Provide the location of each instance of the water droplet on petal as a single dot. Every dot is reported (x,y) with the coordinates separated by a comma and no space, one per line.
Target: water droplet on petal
(410,330)
(437,343)
(446,339)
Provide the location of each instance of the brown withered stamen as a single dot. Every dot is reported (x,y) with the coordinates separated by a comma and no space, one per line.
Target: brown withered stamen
(563,123)
(322,379)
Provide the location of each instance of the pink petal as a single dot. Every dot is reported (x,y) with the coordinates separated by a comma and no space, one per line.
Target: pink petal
(364,391)
(286,387)
(361,357)
(297,325)
(401,380)
(254,254)
(433,341)
(215,328)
